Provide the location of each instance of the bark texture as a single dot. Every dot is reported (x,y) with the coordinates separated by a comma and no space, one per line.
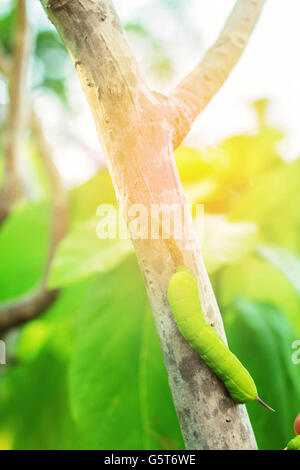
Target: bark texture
(138,130)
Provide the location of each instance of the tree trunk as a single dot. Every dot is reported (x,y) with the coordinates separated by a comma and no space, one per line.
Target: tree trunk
(137,130)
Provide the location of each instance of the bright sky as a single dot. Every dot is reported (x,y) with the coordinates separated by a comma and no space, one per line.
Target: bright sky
(270,67)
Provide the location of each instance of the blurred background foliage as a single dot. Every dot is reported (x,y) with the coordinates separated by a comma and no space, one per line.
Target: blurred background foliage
(88,373)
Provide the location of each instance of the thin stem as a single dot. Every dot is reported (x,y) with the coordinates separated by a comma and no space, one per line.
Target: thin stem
(33,304)
(59,197)
(11,187)
(5,64)
(18,312)
(30,305)
(197,89)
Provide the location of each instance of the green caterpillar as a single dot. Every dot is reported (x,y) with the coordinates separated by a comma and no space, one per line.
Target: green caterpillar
(185,304)
(294,444)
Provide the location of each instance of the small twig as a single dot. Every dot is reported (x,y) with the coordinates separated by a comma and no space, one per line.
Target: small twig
(5,64)
(12,187)
(33,304)
(58,190)
(197,89)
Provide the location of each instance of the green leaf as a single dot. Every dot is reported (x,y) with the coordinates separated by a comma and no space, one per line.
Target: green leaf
(253,155)
(48,39)
(220,177)
(226,242)
(273,202)
(24,240)
(7,29)
(52,57)
(82,254)
(119,389)
(195,166)
(271,190)
(35,385)
(258,280)
(260,336)
(196,192)
(288,263)
(57,323)
(57,86)
(34,403)
(87,197)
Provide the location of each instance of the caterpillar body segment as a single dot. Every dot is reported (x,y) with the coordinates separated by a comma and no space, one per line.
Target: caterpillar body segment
(183,297)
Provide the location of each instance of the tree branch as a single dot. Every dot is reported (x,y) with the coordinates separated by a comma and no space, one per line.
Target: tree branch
(33,304)
(197,89)
(5,64)
(29,306)
(59,194)
(12,188)
(137,140)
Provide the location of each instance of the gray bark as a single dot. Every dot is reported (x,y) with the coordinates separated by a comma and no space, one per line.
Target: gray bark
(138,130)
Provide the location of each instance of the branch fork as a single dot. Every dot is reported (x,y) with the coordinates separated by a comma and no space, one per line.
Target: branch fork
(138,131)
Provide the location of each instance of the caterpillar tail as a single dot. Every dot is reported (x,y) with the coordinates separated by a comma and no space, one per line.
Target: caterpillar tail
(264,404)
